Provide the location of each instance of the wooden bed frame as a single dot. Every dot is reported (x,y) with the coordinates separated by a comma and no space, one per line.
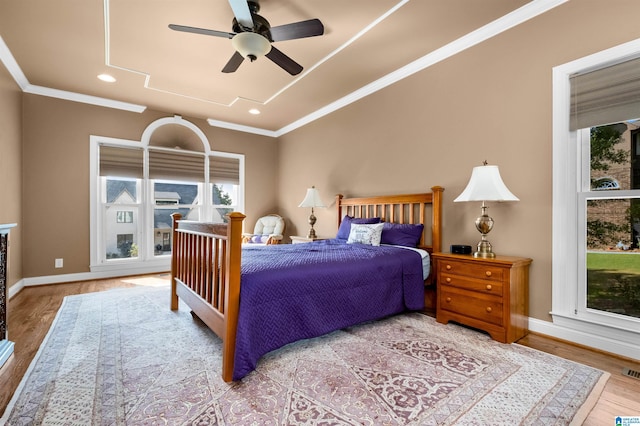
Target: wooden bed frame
(206,258)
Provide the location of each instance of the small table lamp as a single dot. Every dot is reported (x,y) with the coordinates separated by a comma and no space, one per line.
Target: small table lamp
(312,199)
(485,185)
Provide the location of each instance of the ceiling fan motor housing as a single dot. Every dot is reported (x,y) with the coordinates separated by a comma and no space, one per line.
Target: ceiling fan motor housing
(260,26)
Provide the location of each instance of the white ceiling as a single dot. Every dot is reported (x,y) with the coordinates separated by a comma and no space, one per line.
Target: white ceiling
(57,48)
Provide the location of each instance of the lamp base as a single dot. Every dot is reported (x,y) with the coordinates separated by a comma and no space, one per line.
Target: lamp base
(484,224)
(312,221)
(484,250)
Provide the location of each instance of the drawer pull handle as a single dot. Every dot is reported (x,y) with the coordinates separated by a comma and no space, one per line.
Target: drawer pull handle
(448,267)
(489,287)
(488,273)
(489,309)
(448,299)
(448,279)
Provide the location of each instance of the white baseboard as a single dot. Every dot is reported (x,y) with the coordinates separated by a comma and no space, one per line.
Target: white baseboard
(82,276)
(15,289)
(601,343)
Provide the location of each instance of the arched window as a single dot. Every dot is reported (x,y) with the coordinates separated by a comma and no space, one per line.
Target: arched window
(605,184)
(171,169)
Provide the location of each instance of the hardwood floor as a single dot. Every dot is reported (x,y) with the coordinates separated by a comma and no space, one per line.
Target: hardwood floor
(31,312)
(621,395)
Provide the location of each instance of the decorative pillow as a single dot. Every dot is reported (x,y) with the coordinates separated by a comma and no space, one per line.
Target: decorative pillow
(345,225)
(401,234)
(259,239)
(365,234)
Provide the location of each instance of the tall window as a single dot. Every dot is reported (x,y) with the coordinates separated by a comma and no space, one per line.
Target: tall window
(138,186)
(611,264)
(596,215)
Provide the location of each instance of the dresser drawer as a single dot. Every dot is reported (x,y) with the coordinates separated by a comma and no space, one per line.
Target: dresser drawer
(475,270)
(489,287)
(484,308)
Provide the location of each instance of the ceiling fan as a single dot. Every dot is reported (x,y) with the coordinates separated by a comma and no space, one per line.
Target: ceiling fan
(252,36)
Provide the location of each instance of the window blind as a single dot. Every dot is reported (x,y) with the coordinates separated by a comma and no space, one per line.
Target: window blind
(121,162)
(606,95)
(176,166)
(224,170)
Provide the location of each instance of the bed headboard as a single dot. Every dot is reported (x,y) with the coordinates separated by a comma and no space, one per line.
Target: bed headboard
(409,208)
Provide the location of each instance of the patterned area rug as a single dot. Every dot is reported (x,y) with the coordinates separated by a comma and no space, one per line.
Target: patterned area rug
(122,357)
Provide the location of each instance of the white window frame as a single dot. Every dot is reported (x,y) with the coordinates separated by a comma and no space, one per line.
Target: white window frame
(608,332)
(147,261)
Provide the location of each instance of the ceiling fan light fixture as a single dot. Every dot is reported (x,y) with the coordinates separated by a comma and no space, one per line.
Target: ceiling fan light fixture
(251,45)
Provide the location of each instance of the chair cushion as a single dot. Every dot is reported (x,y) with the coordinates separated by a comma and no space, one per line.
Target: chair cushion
(267,225)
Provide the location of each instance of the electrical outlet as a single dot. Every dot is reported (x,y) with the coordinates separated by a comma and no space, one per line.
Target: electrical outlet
(59,263)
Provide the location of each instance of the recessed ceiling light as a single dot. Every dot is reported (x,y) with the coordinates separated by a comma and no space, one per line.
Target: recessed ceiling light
(106,77)
(254,111)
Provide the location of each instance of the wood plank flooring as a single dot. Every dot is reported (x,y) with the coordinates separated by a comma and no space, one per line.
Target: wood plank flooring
(31,312)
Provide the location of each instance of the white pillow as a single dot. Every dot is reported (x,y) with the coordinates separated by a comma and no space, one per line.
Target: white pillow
(365,234)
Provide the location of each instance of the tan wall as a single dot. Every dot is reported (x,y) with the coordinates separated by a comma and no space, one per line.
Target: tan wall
(11,170)
(56,179)
(491,102)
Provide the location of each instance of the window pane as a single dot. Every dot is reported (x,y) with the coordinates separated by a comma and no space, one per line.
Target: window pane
(613,258)
(172,193)
(121,218)
(170,198)
(121,191)
(162,227)
(613,157)
(223,195)
(121,239)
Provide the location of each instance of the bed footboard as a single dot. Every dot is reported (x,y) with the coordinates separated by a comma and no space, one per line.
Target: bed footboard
(205,274)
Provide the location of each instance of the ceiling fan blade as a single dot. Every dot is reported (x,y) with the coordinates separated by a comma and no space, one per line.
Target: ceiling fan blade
(233,63)
(241,12)
(204,31)
(302,29)
(284,62)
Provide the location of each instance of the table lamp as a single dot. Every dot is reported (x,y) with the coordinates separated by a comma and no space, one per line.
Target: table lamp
(485,184)
(312,199)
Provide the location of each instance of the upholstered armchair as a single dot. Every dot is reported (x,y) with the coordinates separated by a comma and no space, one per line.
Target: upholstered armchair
(268,230)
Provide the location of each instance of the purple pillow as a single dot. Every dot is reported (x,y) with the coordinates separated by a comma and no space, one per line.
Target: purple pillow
(345,225)
(401,234)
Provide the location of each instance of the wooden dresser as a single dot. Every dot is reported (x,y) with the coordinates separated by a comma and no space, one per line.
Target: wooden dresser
(487,294)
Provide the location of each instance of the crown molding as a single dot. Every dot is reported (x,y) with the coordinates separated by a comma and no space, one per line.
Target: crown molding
(21,80)
(85,99)
(242,128)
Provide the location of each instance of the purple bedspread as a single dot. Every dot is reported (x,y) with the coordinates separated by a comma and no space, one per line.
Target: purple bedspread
(297,291)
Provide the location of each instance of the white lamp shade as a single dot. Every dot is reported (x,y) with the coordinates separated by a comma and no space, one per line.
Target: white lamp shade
(486,185)
(312,199)
(251,44)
